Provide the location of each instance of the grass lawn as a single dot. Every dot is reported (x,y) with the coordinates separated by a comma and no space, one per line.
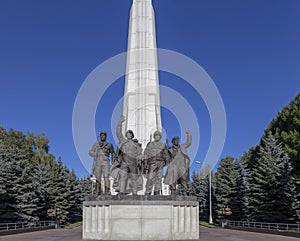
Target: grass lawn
(206,224)
(73,225)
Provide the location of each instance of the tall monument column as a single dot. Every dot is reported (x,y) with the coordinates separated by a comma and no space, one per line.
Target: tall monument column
(142,217)
(141,96)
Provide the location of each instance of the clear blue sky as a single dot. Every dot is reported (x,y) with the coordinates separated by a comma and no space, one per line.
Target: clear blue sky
(251,49)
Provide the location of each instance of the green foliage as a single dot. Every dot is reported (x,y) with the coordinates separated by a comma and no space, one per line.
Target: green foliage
(206,224)
(18,198)
(200,189)
(32,182)
(75,198)
(239,203)
(73,225)
(225,182)
(264,184)
(286,129)
(271,185)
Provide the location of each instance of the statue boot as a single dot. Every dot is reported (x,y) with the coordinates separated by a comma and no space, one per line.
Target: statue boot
(98,188)
(157,193)
(106,192)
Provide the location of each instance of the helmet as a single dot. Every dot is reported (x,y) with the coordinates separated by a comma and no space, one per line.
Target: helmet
(175,138)
(157,133)
(103,132)
(129,131)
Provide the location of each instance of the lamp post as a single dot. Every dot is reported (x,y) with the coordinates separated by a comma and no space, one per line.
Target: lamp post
(210,219)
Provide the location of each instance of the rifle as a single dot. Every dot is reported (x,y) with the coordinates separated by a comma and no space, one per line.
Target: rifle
(167,140)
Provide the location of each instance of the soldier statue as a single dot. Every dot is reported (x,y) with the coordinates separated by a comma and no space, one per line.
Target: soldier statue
(101,167)
(129,154)
(155,157)
(178,169)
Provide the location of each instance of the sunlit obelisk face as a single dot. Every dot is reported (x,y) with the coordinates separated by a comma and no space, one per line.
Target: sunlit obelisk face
(141,97)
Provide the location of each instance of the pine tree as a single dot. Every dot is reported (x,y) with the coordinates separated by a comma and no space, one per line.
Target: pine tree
(199,189)
(26,198)
(75,199)
(204,193)
(8,206)
(60,192)
(239,203)
(286,129)
(31,182)
(19,197)
(41,181)
(225,182)
(271,186)
(85,185)
(285,192)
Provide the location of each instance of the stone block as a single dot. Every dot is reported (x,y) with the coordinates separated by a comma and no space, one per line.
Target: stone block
(140,218)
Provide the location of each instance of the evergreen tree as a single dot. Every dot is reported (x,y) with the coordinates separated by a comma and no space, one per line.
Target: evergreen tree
(75,199)
(239,203)
(8,206)
(285,192)
(204,193)
(31,182)
(26,197)
(60,192)
(199,189)
(271,186)
(286,129)
(225,182)
(19,200)
(41,181)
(86,186)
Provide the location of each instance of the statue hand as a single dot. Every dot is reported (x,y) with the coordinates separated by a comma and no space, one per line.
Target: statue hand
(188,132)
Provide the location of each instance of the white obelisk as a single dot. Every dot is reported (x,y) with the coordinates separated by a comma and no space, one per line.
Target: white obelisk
(141,97)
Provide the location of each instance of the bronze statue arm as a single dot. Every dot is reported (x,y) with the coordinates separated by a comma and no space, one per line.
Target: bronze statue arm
(189,139)
(112,152)
(119,130)
(92,152)
(167,155)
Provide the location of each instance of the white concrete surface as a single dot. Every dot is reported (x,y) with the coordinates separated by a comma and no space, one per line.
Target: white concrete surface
(140,222)
(141,94)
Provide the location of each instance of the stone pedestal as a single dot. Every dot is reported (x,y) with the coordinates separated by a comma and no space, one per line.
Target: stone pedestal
(140,218)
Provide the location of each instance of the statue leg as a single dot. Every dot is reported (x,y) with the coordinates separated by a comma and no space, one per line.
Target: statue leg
(173,189)
(184,189)
(184,183)
(158,181)
(106,169)
(134,177)
(150,180)
(124,177)
(98,173)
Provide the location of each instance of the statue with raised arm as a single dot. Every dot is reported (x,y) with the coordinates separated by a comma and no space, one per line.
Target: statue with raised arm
(101,152)
(155,157)
(178,171)
(128,155)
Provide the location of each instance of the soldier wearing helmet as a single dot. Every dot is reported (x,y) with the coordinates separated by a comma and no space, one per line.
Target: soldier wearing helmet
(128,154)
(156,156)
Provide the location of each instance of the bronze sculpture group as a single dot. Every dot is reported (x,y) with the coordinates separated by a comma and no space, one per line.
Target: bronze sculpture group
(130,163)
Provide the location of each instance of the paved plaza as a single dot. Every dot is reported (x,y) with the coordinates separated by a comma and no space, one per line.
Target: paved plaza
(206,234)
